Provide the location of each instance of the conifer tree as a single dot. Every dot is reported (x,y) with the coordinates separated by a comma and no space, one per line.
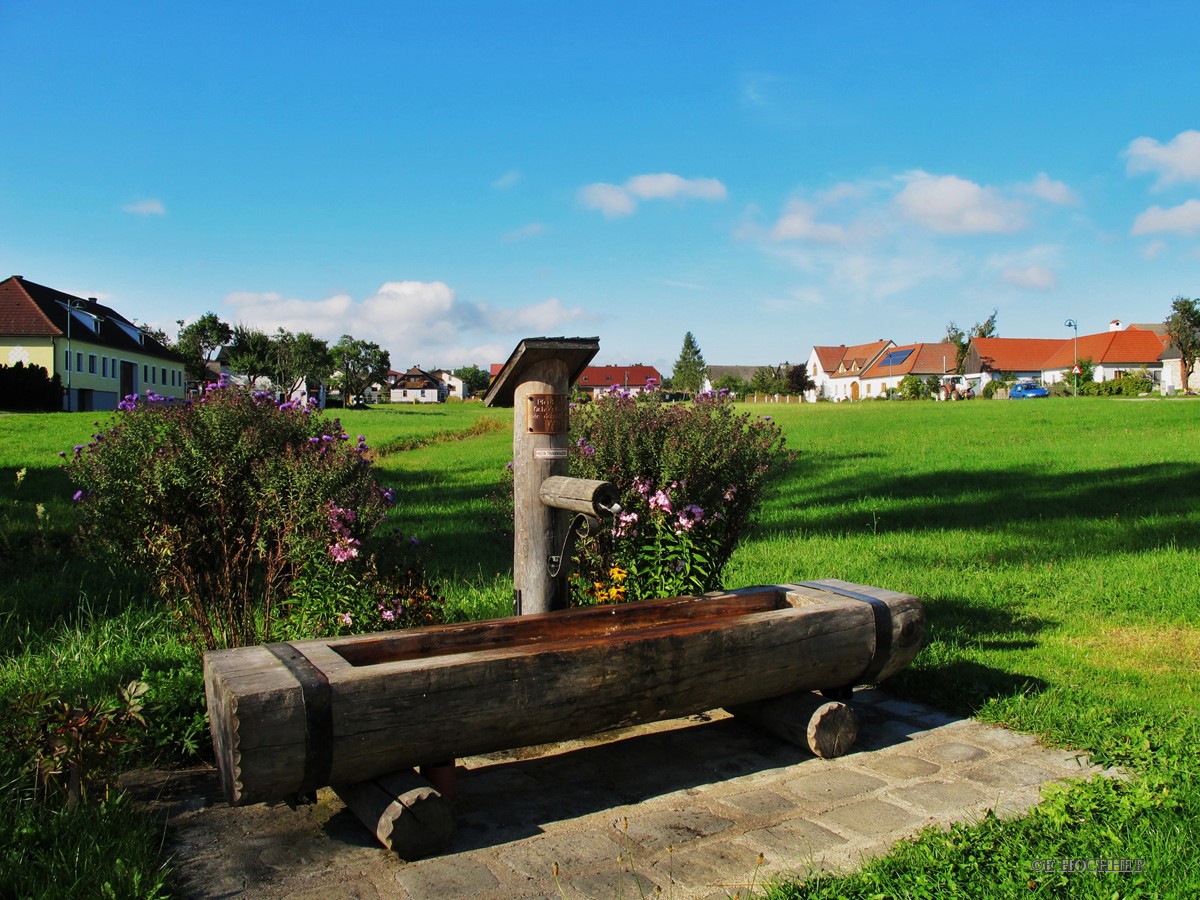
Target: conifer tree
(690,369)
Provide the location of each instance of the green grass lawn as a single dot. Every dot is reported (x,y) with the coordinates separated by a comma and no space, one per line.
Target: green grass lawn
(1056,544)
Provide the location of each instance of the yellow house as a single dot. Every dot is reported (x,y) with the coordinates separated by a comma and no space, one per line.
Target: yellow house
(99,355)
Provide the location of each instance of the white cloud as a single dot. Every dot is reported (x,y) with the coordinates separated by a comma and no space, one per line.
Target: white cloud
(1032,278)
(609,199)
(798,222)
(1175,161)
(147,207)
(613,200)
(666,186)
(507,180)
(1045,188)
(1154,249)
(948,204)
(533,229)
(417,322)
(1182,219)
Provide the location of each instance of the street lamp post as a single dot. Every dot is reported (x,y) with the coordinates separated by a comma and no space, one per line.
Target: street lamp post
(1071,323)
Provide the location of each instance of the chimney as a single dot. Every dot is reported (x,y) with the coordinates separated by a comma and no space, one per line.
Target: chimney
(1115,325)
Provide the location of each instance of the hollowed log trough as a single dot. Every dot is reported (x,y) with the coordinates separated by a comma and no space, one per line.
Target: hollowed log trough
(289,718)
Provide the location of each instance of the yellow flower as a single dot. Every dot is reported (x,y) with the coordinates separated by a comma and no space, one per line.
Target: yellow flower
(617,574)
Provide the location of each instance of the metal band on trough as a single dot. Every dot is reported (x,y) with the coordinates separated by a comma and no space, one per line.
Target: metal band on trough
(318,715)
(883,627)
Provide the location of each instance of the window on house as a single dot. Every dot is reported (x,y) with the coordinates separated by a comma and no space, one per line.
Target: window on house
(113,369)
(67,360)
(104,367)
(78,362)
(145,374)
(164,377)
(91,363)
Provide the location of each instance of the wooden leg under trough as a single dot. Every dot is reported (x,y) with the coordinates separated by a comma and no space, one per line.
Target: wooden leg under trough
(404,811)
(826,728)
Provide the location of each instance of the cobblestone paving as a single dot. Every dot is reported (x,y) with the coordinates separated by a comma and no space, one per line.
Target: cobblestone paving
(686,806)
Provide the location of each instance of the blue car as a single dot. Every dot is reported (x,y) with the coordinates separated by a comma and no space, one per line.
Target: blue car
(1024,390)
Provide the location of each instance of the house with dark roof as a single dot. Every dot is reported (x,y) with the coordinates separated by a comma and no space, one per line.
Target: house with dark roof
(922,360)
(414,386)
(99,355)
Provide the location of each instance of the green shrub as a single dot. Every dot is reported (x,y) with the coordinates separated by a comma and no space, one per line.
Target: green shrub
(30,388)
(690,476)
(245,512)
(913,388)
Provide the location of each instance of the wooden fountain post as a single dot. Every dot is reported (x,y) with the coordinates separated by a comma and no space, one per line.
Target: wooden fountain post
(535,382)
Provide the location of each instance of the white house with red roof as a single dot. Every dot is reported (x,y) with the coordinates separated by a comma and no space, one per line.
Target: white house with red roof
(1113,353)
(836,370)
(990,359)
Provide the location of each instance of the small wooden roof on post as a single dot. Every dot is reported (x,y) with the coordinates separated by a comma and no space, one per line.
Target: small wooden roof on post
(535,382)
(575,353)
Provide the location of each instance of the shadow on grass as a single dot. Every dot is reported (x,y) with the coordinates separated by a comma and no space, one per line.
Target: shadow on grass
(942,677)
(1153,503)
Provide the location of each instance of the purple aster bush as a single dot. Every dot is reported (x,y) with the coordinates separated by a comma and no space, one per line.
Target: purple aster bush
(690,475)
(250,516)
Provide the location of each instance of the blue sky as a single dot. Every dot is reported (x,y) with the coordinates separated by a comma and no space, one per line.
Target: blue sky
(447,178)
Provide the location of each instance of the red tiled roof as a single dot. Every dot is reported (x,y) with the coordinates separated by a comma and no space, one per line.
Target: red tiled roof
(922,359)
(861,355)
(1110,348)
(1015,354)
(20,315)
(621,376)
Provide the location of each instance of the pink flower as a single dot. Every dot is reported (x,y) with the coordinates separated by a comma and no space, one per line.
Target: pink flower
(660,501)
(642,486)
(346,619)
(625,524)
(388,616)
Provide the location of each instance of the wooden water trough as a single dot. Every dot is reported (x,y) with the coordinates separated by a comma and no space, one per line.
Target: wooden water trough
(289,718)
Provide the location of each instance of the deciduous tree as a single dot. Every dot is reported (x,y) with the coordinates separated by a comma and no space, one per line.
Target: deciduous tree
(199,342)
(357,365)
(300,358)
(1183,327)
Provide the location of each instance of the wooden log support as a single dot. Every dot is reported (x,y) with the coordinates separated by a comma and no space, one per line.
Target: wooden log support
(341,710)
(579,495)
(404,812)
(824,728)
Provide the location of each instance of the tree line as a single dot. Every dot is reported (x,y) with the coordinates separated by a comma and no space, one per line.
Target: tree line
(289,361)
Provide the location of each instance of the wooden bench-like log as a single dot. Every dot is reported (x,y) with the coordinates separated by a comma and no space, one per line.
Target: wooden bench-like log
(825,728)
(404,812)
(291,718)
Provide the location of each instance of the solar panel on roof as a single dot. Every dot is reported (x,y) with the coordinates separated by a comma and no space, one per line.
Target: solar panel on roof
(895,357)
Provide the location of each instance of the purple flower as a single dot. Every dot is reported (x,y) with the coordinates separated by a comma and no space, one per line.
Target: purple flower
(690,516)
(388,616)
(346,619)
(62,453)
(414,540)
(730,493)
(662,501)
(589,450)
(642,486)
(77,496)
